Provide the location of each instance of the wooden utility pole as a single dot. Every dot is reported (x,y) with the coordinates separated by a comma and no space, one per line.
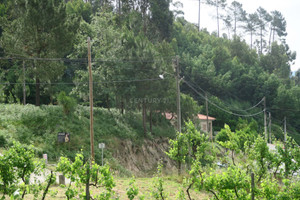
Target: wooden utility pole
(270,130)
(176,66)
(91,99)
(24,84)
(207,124)
(176,63)
(265,120)
(252,186)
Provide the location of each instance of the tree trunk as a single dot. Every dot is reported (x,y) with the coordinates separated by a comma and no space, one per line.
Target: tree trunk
(144,112)
(107,102)
(150,120)
(24,84)
(273,34)
(218,20)
(261,36)
(122,107)
(37,92)
(234,26)
(251,40)
(87,183)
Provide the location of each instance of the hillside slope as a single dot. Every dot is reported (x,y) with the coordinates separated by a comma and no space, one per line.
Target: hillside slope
(127,148)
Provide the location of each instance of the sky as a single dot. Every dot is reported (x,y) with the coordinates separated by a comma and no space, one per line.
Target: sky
(290,10)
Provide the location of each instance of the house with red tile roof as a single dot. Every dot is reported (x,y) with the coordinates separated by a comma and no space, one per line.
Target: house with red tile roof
(201,121)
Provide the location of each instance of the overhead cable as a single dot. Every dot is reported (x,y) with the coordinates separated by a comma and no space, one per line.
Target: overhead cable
(229,112)
(78,83)
(241,110)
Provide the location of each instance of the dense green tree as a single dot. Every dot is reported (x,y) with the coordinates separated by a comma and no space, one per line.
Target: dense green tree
(278,60)
(41,29)
(79,8)
(161,17)
(297,77)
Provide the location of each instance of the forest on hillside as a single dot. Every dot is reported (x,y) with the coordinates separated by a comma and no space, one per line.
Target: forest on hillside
(44,52)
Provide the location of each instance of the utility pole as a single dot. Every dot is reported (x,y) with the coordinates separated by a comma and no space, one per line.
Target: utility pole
(284,130)
(199,16)
(176,66)
(252,186)
(91,99)
(207,124)
(270,131)
(265,120)
(176,63)
(24,84)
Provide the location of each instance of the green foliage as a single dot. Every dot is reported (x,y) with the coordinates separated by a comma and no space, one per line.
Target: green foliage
(259,151)
(254,156)
(234,183)
(143,37)
(178,148)
(68,103)
(158,191)
(80,8)
(40,29)
(189,107)
(232,143)
(180,195)
(3,141)
(39,126)
(245,132)
(132,191)
(17,165)
(81,173)
(190,145)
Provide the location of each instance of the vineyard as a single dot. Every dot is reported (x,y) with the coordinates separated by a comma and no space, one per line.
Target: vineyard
(239,165)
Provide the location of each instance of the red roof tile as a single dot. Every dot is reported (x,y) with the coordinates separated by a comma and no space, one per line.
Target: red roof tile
(203,117)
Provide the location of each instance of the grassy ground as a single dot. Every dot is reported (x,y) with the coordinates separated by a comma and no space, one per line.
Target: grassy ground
(145,186)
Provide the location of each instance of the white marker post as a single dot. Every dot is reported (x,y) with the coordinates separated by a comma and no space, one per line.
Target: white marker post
(45,157)
(102,146)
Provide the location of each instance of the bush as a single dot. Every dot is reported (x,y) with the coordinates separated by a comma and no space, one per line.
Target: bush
(3,141)
(68,103)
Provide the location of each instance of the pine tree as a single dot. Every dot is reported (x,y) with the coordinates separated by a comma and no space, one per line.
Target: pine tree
(40,29)
(237,14)
(263,19)
(250,26)
(278,26)
(219,4)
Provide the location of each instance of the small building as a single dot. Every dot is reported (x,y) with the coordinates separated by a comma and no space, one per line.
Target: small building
(203,123)
(200,121)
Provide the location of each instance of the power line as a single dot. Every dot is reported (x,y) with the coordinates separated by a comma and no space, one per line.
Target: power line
(241,110)
(229,112)
(98,82)
(85,60)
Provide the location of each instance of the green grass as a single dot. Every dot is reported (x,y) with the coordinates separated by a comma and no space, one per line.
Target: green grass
(144,185)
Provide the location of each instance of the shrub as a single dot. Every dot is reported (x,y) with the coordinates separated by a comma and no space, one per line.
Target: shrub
(68,103)
(3,141)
